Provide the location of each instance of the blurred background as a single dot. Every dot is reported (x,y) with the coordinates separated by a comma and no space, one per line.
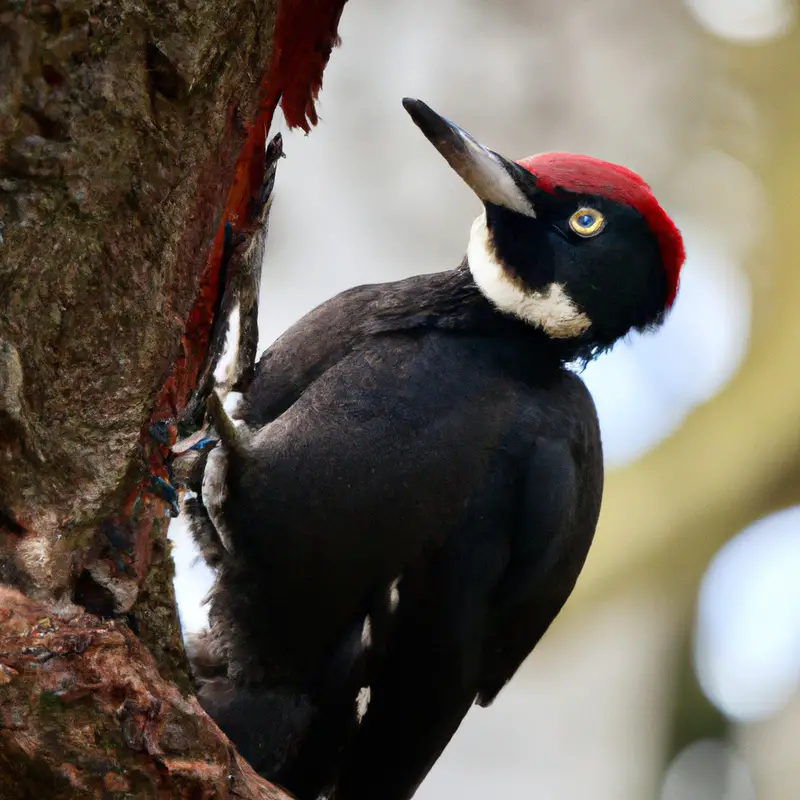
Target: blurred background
(673,671)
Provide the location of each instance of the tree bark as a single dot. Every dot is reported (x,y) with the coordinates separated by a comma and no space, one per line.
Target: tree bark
(86,714)
(132,210)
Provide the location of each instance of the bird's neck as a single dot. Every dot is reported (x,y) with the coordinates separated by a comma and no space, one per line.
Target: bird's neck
(451,301)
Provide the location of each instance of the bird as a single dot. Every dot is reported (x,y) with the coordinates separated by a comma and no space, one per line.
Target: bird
(404,497)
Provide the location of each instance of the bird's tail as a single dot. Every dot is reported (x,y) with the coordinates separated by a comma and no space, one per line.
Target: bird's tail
(268,724)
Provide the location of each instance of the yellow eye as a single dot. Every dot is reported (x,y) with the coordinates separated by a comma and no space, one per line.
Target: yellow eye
(587,222)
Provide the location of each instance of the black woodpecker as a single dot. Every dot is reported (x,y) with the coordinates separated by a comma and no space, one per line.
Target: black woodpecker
(404,497)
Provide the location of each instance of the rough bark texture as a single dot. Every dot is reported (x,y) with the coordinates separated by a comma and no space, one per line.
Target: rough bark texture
(119,137)
(132,141)
(85,713)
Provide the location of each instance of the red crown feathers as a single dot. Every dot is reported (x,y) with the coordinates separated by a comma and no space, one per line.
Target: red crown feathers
(588,175)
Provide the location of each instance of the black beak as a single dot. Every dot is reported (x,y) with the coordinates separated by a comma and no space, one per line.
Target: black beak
(487,173)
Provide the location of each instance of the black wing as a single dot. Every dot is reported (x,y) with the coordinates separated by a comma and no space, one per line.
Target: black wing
(561,506)
(471,613)
(306,351)
(314,344)
(330,332)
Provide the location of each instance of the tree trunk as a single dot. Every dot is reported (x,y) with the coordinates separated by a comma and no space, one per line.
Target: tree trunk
(133,198)
(85,713)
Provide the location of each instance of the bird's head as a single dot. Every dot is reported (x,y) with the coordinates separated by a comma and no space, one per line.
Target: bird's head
(575,246)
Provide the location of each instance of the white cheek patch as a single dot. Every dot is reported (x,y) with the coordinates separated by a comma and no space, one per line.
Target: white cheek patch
(552,310)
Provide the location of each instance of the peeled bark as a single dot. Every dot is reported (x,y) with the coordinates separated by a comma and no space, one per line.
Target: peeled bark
(132,189)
